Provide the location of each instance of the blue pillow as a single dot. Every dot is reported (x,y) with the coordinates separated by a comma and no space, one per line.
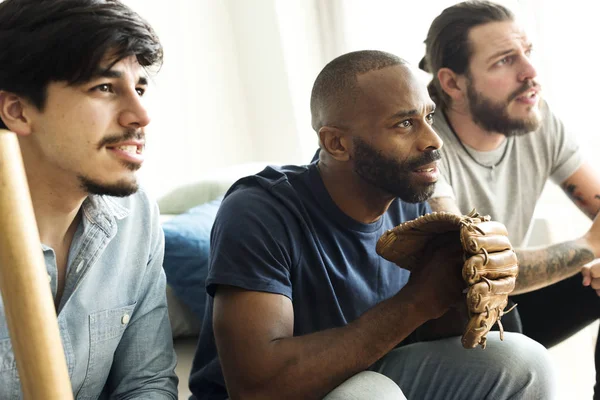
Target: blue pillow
(187,246)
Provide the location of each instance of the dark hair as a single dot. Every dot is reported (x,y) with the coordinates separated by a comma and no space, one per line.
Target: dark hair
(42,41)
(336,84)
(447,43)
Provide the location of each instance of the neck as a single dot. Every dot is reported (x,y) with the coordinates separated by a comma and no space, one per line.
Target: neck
(56,196)
(56,217)
(55,204)
(470,133)
(356,198)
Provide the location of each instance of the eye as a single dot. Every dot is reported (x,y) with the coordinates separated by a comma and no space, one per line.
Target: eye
(140,91)
(429,118)
(104,87)
(505,61)
(528,52)
(407,123)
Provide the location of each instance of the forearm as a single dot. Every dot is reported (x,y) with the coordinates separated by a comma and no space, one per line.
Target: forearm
(310,366)
(545,266)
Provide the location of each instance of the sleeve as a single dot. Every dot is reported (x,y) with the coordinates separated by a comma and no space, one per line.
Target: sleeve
(251,244)
(144,362)
(566,157)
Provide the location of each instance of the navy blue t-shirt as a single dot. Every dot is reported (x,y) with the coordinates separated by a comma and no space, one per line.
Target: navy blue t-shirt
(280,232)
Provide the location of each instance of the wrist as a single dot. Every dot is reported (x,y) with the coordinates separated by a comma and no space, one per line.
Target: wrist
(417,306)
(591,242)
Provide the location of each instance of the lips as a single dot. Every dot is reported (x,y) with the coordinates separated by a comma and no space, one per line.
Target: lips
(529,90)
(528,95)
(427,174)
(431,167)
(132,149)
(531,93)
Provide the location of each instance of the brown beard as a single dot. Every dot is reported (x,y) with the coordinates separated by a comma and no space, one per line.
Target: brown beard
(493,116)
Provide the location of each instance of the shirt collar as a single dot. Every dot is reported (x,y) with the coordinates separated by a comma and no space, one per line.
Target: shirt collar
(103,211)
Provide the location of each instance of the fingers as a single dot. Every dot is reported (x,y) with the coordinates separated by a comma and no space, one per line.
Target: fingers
(587,278)
(591,275)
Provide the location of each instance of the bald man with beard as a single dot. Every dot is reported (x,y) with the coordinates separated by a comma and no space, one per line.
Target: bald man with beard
(300,305)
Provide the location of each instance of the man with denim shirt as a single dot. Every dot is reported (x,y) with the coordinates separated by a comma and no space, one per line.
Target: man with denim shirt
(72,82)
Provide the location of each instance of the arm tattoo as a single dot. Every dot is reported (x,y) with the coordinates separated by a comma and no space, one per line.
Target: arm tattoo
(542,267)
(590,209)
(571,190)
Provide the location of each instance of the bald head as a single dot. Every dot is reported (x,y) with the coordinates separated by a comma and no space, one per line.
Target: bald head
(335,89)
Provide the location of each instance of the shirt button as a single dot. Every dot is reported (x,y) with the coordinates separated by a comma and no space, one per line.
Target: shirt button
(125,319)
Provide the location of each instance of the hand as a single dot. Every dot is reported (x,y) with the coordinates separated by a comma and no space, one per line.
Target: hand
(438,282)
(591,275)
(452,323)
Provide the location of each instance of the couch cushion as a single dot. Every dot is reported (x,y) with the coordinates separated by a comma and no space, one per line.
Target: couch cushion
(187,245)
(206,188)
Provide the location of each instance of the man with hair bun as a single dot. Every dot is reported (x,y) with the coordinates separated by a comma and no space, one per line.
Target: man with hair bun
(502,143)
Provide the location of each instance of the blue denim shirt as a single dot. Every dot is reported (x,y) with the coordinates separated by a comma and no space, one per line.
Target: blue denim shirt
(112,316)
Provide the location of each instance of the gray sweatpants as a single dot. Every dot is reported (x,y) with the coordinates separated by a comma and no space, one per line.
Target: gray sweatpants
(517,368)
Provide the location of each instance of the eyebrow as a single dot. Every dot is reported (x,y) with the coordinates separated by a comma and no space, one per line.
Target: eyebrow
(527,46)
(109,73)
(411,113)
(500,53)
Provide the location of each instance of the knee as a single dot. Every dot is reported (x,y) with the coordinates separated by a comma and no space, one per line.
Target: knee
(367,385)
(525,364)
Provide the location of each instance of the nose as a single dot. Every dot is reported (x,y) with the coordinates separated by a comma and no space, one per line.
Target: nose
(134,114)
(429,139)
(527,71)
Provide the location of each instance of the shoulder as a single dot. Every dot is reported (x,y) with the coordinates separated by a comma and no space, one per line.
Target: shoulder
(271,176)
(273,186)
(548,136)
(137,213)
(551,126)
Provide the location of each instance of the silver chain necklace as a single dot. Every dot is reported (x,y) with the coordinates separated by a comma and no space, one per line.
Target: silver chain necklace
(490,167)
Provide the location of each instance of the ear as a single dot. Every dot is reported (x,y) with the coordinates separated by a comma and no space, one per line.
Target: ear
(335,142)
(13,114)
(452,84)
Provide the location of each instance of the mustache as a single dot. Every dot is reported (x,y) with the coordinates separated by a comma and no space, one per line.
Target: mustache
(128,135)
(424,159)
(527,85)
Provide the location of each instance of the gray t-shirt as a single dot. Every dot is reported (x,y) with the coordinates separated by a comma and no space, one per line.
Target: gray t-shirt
(507,182)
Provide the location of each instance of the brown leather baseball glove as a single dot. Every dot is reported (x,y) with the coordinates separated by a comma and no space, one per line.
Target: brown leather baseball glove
(490,264)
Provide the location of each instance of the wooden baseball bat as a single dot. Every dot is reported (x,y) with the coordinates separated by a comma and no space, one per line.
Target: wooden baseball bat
(26,294)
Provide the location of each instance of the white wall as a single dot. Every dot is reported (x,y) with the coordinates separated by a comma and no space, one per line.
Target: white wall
(234,75)
(235,86)
(200,116)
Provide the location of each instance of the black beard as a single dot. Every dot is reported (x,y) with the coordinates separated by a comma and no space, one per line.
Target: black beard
(493,116)
(390,175)
(119,189)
